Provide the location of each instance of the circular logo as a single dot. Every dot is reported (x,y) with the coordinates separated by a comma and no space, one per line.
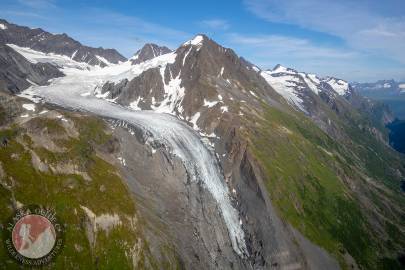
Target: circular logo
(34,236)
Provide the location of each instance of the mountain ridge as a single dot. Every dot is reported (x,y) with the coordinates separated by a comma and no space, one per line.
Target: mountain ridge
(46,42)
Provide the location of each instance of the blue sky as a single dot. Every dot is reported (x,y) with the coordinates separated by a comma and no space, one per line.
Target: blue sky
(354,40)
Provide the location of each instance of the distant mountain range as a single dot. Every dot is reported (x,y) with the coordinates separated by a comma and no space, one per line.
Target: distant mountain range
(229,166)
(387,91)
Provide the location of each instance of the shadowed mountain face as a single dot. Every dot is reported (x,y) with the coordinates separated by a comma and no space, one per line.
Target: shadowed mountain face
(17,73)
(397,135)
(252,169)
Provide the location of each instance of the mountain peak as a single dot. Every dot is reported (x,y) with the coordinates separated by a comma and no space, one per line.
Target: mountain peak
(282,69)
(147,52)
(196,41)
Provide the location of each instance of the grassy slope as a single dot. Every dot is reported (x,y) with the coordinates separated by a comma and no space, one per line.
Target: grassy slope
(66,193)
(306,172)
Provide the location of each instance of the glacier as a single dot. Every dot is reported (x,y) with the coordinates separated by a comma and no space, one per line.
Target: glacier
(78,91)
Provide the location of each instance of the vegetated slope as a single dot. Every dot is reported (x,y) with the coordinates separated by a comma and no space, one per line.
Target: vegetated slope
(65,161)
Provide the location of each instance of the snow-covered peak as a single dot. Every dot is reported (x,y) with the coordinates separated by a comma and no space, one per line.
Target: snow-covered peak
(339,86)
(296,86)
(282,69)
(3,26)
(196,41)
(279,68)
(286,85)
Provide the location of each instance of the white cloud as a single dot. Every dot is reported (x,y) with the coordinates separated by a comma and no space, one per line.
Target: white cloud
(217,24)
(38,4)
(268,50)
(353,21)
(277,45)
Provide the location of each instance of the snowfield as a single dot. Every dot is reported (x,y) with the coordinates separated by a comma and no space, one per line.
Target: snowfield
(79,88)
(290,84)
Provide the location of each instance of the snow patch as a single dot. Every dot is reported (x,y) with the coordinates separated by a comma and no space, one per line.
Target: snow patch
(210,104)
(29,107)
(122,161)
(74,54)
(196,41)
(31,82)
(253,93)
(173,95)
(193,120)
(222,71)
(3,26)
(134,105)
(61,61)
(185,56)
(105,61)
(310,81)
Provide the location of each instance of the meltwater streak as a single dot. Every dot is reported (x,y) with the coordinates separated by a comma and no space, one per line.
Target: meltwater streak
(182,140)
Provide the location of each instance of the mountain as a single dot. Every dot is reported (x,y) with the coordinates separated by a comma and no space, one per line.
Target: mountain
(390,92)
(229,166)
(60,44)
(25,56)
(388,86)
(17,73)
(147,52)
(216,92)
(310,93)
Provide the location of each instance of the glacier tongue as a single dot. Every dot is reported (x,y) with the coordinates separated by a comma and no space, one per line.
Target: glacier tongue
(72,91)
